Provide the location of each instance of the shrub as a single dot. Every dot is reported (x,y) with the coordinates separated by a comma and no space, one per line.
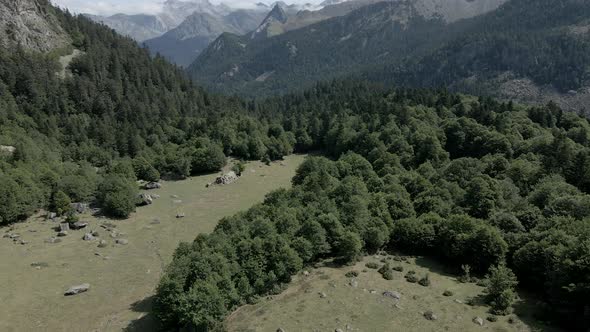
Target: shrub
(372,265)
(425,281)
(500,289)
(117,196)
(352,274)
(384,268)
(387,275)
(412,278)
(492,318)
(239,168)
(398,268)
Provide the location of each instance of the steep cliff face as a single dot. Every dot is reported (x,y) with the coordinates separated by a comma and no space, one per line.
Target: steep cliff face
(30,23)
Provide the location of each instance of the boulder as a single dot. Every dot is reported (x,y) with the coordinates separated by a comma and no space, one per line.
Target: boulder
(145,199)
(51,215)
(52,240)
(153,185)
(88,237)
(79,225)
(478,321)
(180,215)
(102,244)
(227,178)
(7,149)
(353,283)
(64,227)
(95,233)
(79,207)
(322,295)
(430,315)
(393,295)
(122,242)
(74,290)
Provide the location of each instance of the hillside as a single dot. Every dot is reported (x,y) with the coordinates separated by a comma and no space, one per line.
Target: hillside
(183,44)
(544,43)
(31,24)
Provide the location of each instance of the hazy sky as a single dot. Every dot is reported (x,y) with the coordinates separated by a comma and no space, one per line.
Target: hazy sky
(108,7)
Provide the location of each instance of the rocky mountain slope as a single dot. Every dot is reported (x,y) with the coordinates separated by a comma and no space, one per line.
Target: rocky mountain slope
(418,43)
(30,24)
(183,44)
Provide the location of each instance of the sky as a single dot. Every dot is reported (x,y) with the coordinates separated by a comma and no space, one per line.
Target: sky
(109,7)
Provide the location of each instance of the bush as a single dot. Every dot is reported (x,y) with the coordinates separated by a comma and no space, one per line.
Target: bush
(352,274)
(387,275)
(239,168)
(500,289)
(412,278)
(425,281)
(398,268)
(384,268)
(372,265)
(60,203)
(492,318)
(117,196)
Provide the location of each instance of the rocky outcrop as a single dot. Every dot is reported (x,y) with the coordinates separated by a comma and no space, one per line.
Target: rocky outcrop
(228,178)
(30,23)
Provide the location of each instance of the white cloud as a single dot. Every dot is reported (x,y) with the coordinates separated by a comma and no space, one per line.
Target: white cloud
(109,7)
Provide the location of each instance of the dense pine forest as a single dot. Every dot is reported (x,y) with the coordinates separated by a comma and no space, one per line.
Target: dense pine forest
(119,116)
(475,182)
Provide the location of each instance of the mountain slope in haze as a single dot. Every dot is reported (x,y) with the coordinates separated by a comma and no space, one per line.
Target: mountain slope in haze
(142,27)
(377,33)
(544,43)
(183,44)
(31,24)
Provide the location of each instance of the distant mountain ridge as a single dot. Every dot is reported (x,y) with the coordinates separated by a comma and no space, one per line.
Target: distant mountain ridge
(530,50)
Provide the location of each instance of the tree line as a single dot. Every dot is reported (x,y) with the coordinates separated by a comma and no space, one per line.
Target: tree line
(496,187)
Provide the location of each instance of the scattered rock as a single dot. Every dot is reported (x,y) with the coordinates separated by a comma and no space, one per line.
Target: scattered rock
(62,233)
(88,237)
(23,242)
(322,295)
(306,273)
(79,207)
(39,265)
(180,215)
(153,185)
(430,315)
(226,178)
(155,196)
(177,201)
(155,222)
(353,283)
(122,242)
(338,330)
(174,196)
(458,301)
(95,233)
(280,330)
(79,225)
(393,295)
(102,244)
(144,199)
(478,321)
(74,290)
(372,291)
(64,227)
(52,240)
(51,215)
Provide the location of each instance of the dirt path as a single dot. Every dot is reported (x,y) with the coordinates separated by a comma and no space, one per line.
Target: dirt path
(122,278)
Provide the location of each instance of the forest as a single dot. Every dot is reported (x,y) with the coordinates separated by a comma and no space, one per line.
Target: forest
(502,189)
(120,116)
(488,186)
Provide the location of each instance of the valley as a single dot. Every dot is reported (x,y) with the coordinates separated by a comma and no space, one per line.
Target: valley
(122,278)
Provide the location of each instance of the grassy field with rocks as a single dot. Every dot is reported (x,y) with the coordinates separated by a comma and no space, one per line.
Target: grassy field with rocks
(334,299)
(122,277)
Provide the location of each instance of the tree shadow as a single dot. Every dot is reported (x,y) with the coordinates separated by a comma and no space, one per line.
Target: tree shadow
(146,322)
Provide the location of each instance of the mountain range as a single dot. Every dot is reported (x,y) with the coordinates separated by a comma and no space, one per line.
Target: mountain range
(523,49)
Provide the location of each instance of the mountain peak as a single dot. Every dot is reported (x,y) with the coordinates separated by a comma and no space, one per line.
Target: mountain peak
(277,13)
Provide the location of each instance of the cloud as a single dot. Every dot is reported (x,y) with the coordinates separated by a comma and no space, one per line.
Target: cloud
(109,7)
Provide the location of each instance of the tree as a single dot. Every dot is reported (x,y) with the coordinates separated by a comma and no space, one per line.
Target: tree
(500,289)
(117,196)
(349,246)
(60,203)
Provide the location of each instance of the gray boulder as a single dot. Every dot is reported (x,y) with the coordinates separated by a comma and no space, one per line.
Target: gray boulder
(88,237)
(228,178)
(79,207)
(145,199)
(430,315)
(478,321)
(122,242)
(180,215)
(79,225)
(102,244)
(74,290)
(153,185)
(51,215)
(64,227)
(393,295)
